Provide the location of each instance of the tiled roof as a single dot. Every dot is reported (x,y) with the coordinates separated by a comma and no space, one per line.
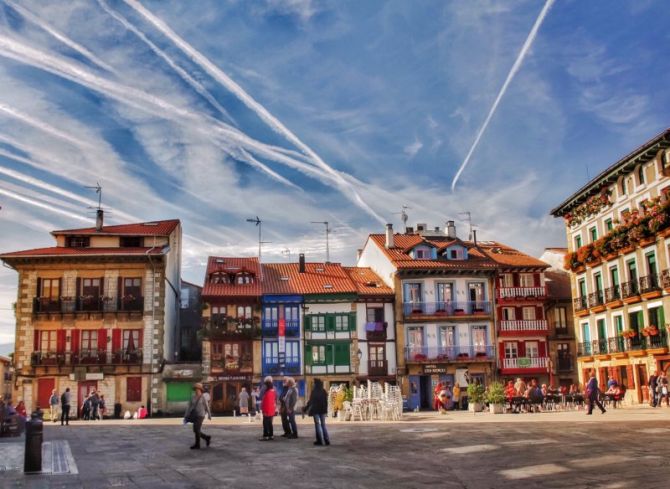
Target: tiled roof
(509,257)
(232,266)
(153,228)
(400,257)
(318,278)
(65,251)
(483,255)
(368,282)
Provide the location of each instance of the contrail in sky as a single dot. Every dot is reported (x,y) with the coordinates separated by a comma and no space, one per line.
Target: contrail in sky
(41,205)
(61,37)
(218,74)
(510,76)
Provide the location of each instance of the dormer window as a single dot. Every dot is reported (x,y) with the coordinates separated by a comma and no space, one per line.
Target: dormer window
(78,242)
(422,253)
(244,278)
(456,253)
(219,278)
(130,242)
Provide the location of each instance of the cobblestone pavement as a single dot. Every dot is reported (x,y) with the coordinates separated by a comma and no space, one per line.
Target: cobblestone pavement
(457,451)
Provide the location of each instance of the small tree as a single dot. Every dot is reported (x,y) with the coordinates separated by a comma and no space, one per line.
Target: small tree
(495,394)
(475,393)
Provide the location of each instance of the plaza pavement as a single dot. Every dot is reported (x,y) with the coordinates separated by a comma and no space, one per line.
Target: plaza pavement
(624,448)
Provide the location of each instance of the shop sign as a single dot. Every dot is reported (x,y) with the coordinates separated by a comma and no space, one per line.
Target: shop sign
(523,362)
(232,377)
(94,376)
(434,369)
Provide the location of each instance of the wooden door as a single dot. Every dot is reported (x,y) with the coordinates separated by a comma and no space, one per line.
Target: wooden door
(44,388)
(232,389)
(84,388)
(414,397)
(642,389)
(218,397)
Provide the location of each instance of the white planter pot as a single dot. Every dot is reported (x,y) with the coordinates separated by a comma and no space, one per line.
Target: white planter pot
(496,408)
(475,407)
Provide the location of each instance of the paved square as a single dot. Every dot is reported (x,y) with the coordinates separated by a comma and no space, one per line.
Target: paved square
(553,450)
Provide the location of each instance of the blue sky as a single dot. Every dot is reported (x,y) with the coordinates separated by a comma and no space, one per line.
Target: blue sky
(306,110)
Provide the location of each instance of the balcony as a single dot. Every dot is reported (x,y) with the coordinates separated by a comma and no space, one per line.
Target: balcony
(597,299)
(523,327)
(523,293)
(612,294)
(86,357)
(87,304)
(273,368)
(630,290)
(524,364)
(650,285)
(376,331)
(467,308)
(565,364)
(619,344)
(271,327)
(471,353)
(220,326)
(580,303)
(665,279)
(377,368)
(233,365)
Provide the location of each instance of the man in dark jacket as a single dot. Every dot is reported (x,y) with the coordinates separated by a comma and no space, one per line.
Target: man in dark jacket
(653,384)
(65,407)
(593,393)
(290,400)
(282,410)
(317,407)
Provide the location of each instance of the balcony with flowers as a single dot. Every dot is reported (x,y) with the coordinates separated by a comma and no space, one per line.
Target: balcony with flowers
(639,227)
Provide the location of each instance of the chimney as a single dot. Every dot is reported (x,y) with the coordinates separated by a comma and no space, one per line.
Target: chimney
(98,219)
(451,229)
(301,262)
(474,236)
(389,236)
(359,252)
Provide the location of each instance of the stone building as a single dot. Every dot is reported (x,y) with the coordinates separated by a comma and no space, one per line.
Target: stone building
(98,311)
(6,371)
(618,229)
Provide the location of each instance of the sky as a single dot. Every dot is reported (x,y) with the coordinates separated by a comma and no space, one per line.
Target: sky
(296,111)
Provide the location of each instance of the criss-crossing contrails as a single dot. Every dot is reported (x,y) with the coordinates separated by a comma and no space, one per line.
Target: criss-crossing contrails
(510,76)
(216,73)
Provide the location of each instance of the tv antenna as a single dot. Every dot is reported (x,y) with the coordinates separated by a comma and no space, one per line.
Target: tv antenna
(328,231)
(98,190)
(468,219)
(403,215)
(287,252)
(259,225)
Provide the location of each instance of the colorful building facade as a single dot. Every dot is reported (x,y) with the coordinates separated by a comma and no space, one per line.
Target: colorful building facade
(617,232)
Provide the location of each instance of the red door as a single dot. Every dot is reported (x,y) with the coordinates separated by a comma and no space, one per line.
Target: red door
(83,390)
(44,388)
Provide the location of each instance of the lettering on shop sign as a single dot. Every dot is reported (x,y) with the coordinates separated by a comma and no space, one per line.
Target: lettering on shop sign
(94,376)
(434,369)
(233,377)
(182,373)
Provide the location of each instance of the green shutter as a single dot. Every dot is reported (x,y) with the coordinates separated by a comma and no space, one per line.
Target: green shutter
(640,320)
(179,391)
(308,354)
(352,321)
(661,318)
(342,354)
(330,322)
(308,323)
(329,354)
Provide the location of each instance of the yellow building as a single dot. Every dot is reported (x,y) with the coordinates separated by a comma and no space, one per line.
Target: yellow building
(97,311)
(618,229)
(5,378)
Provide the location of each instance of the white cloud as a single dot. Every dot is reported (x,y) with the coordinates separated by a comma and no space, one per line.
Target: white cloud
(413,148)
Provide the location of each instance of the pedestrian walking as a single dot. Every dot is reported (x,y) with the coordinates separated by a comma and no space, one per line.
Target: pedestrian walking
(244,402)
(317,407)
(197,409)
(65,407)
(269,409)
(593,393)
(95,405)
(456,396)
(53,405)
(256,398)
(290,400)
(102,407)
(653,384)
(282,410)
(86,408)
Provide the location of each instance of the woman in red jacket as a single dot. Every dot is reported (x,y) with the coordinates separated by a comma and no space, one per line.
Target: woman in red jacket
(269,408)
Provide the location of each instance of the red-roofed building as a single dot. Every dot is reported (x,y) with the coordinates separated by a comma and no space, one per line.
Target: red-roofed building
(231,329)
(98,311)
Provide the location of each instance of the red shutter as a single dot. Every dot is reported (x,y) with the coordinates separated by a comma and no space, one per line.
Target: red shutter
(38,293)
(542,349)
(119,287)
(139,341)
(60,341)
(74,341)
(518,313)
(116,340)
(102,339)
(517,280)
(539,312)
(522,348)
(78,292)
(536,279)
(502,350)
(629,377)
(36,341)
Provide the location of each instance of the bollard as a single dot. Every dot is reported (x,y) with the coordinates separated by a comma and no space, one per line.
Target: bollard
(34,435)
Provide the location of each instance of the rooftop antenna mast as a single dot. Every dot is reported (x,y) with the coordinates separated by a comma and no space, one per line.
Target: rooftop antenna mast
(259,225)
(328,231)
(468,219)
(287,251)
(403,215)
(98,190)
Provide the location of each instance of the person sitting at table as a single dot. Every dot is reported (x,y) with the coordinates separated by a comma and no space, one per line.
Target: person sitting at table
(545,390)
(520,387)
(510,390)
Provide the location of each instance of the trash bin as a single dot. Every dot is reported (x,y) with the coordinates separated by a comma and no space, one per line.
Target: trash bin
(34,437)
(117,410)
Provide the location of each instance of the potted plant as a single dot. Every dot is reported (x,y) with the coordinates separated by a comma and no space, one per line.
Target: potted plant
(629,333)
(475,397)
(495,396)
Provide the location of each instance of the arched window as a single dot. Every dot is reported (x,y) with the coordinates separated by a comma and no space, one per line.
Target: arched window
(219,278)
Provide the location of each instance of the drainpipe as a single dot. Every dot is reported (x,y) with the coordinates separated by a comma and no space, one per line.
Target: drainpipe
(153,322)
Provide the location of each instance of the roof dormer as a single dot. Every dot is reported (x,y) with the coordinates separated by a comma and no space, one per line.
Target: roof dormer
(423,251)
(455,252)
